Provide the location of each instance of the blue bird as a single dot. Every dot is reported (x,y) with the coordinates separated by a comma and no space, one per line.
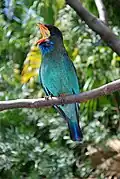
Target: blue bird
(58,76)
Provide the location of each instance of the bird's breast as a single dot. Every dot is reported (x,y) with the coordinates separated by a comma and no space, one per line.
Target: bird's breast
(54,75)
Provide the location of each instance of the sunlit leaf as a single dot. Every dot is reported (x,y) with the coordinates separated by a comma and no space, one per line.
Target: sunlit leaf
(31,64)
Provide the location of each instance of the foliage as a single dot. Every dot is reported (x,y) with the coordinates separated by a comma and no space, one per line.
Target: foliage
(112,9)
(34,143)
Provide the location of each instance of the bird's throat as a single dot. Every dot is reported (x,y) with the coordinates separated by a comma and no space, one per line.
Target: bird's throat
(46,48)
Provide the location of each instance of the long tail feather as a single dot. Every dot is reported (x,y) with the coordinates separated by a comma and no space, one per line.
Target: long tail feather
(72,120)
(75,131)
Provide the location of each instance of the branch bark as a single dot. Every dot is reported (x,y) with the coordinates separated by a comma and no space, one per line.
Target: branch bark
(102,11)
(96,25)
(42,102)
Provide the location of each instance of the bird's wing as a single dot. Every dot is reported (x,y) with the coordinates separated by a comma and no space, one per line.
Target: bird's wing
(72,75)
(47,92)
(59,77)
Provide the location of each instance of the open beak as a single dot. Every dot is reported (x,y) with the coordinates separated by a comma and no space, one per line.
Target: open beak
(44,32)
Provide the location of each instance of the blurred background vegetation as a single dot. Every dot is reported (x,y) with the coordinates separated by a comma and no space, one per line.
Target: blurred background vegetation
(35,143)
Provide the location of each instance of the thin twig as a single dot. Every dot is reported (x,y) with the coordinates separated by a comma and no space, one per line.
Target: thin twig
(96,25)
(42,102)
(102,11)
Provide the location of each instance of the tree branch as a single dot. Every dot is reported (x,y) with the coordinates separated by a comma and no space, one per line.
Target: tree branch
(102,11)
(96,25)
(42,102)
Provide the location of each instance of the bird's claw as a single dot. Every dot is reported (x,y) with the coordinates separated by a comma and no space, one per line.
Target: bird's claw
(62,98)
(47,97)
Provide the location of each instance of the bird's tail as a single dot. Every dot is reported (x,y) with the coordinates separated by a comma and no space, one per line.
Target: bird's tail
(70,113)
(75,131)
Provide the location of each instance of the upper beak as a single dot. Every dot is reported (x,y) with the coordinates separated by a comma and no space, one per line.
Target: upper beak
(44,31)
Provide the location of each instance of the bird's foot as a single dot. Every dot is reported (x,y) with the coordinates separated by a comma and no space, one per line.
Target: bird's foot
(48,97)
(62,95)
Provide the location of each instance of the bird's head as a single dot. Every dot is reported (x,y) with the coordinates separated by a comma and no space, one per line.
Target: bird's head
(51,38)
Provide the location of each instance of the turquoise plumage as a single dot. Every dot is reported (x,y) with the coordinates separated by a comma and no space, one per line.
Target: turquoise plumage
(58,76)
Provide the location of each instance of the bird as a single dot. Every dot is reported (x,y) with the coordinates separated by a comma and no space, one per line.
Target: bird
(58,76)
